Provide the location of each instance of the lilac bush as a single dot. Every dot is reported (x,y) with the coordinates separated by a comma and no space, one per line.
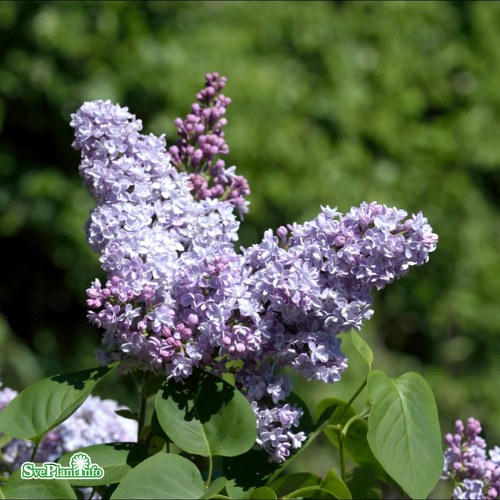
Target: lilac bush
(474,472)
(178,294)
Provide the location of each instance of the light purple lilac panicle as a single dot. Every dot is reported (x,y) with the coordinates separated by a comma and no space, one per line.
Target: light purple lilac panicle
(177,294)
(95,422)
(475,473)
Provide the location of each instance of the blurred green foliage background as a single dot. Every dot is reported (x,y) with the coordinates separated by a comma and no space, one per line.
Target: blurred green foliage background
(333,103)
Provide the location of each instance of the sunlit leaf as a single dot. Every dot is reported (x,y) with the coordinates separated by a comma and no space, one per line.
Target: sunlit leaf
(163,476)
(206,416)
(47,403)
(16,487)
(362,347)
(403,431)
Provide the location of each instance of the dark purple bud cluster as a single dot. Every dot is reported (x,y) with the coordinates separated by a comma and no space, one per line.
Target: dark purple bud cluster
(202,143)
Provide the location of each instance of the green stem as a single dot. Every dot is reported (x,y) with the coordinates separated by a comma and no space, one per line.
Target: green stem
(35,449)
(342,432)
(351,401)
(342,456)
(210,471)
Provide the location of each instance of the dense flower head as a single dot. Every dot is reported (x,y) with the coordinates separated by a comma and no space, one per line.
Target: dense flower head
(474,472)
(177,293)
(94,422)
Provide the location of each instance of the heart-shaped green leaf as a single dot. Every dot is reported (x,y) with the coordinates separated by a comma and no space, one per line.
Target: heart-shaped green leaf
(206,416)
(403,431)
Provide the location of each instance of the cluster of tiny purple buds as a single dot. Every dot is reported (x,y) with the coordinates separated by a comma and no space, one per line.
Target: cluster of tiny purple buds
(201,144)
(474,475)
(94,422)
(178,295)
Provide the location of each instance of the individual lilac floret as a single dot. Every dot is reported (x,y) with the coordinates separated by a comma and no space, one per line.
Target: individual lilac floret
(94,422)
(202,142)
(467,465)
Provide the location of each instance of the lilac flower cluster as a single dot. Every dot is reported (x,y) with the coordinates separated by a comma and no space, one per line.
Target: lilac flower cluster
(179,296)
(474,475)
(167,254)
(95,422)
(274,429)
(202,141)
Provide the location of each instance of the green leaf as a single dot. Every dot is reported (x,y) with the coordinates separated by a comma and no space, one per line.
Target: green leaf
(403,431)
(152,386)
(157,429)
(5,440)
(206,416)
(127,413)
(357,449)
(338,405)
(2,494)
(215,487)
(316,492)
(263,493)
(47,403)
(163,476)
(362,483)
(117,459)
(156,444)
(16,487)
(335,485)
(248,471)
(362,347)
(291,482)
(107,491)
